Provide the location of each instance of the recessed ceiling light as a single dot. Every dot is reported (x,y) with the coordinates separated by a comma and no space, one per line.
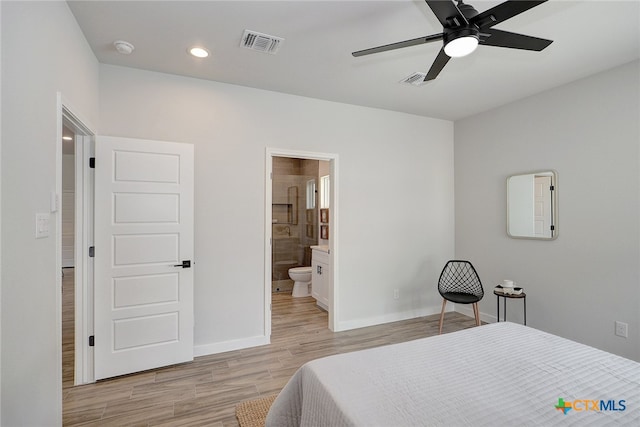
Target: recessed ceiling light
(67,138)
(199,52)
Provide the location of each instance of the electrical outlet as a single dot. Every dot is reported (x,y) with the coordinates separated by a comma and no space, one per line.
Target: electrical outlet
(622,329)
(396,293)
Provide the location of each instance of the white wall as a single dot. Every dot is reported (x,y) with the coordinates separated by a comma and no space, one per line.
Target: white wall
(57,59)
(579,284)
(396,192)
(0,216)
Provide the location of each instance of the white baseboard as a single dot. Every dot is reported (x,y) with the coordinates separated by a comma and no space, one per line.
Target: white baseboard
(468,311)
(391,317)
(221,347)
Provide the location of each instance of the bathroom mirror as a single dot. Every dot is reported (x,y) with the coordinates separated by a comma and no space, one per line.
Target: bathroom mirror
(532,205)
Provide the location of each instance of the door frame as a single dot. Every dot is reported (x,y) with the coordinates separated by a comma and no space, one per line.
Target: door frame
(332,158)
(85,147)
(83,268)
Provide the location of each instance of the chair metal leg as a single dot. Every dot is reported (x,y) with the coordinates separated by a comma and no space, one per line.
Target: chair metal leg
(444,303)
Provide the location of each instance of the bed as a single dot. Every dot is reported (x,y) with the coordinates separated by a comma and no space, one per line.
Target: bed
(497,374)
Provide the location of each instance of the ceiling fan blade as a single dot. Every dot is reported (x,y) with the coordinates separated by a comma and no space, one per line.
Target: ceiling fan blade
(499,38)
(437,66)
(502,12)
(447,13)
(399,45)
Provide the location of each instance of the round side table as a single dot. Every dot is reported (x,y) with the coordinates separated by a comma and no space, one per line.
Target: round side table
(499,294)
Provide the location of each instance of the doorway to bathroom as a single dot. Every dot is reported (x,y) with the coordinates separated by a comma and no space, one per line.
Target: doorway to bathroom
(300,194)
(294,217)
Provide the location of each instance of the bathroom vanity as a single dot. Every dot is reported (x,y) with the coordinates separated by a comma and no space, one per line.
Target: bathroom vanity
(320,269)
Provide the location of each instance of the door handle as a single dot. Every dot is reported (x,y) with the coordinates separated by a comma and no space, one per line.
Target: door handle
(185,264)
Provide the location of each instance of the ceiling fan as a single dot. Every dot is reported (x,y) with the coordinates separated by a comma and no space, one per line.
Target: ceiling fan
(463,28)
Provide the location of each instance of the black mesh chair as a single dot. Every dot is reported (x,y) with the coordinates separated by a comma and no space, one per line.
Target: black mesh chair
(459,283)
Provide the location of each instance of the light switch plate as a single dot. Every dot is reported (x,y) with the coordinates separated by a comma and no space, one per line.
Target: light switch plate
(42,225)
(54,202)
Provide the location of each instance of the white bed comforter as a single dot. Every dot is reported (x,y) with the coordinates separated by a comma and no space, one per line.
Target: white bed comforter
(502,374)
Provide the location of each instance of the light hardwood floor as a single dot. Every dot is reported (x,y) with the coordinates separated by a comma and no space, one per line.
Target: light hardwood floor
(205,391)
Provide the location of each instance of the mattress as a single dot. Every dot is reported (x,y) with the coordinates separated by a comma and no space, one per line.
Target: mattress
(501,374)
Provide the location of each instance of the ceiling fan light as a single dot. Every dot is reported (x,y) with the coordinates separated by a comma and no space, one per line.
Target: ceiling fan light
(462,46)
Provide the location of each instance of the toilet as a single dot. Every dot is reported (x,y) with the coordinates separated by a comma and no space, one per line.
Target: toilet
(302,281)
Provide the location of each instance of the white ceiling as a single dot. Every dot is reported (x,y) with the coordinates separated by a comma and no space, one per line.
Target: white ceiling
(315,59)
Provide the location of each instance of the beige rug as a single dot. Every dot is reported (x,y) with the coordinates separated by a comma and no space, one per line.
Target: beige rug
(253,413)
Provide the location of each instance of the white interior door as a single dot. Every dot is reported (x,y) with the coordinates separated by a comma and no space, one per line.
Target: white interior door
(143,235)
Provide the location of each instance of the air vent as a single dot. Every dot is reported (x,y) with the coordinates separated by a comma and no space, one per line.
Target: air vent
(261,42)
(415,79)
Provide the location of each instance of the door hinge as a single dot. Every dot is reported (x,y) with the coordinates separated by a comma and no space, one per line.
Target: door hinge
(553,227)
(552,188)
(92,162)
(91,341)
(91,251)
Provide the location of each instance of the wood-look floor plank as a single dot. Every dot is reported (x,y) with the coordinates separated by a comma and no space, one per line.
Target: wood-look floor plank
(273,386)
(82,416)
(124,409)
(186,375)
(205,392)
(219,405)
(136,417)
(196,420)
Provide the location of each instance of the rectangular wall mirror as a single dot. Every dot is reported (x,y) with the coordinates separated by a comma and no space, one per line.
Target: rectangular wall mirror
(532,205)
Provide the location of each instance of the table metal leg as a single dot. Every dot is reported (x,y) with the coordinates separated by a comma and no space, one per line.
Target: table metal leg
(504,309)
